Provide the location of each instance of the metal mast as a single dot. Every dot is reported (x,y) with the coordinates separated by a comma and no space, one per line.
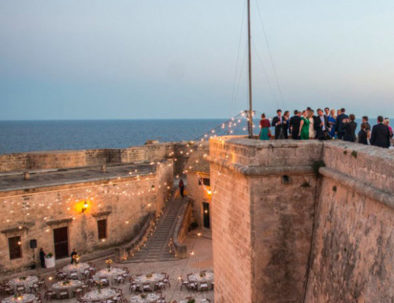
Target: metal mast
(250,113)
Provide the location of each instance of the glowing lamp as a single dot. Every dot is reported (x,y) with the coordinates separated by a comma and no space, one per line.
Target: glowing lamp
(84,206)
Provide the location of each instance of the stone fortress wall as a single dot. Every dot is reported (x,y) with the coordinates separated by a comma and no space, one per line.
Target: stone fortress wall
(301,221)
(135,182)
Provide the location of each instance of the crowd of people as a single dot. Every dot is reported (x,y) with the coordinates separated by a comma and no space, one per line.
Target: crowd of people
(326,124)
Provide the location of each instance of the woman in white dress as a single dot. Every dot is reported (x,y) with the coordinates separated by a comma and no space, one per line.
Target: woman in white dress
(311,126)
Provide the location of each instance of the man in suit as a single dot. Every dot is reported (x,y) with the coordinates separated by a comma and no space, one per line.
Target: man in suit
(295,122)
(380,134)
(320,124)
(277,122)
(339,126)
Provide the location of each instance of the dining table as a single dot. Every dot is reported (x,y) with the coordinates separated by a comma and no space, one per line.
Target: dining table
(23,298)
(151,278)
(145,298)
(97,295)
(109,274)
(79,268)
(70,286)
(25,281)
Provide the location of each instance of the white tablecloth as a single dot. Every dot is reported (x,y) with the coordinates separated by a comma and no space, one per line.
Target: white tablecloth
(79,268)
(200,278)
(151,297)
(110,275)
(96,295)
(156,277)
(27,282)
(25,298)
(70,286)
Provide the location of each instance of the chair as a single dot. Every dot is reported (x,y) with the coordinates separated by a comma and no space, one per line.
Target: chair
(147,287)
(73,275)
(212,285)
(192,286)
(20,289)
(204,286)
(119,279)
(49,295)
(160,285)
(184,284)
(60,275)
(132,287)
(78,292)
(63,295)
(104,281)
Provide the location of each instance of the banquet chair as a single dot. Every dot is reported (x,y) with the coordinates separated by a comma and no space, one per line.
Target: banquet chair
(184,284)
(146,287)
(60,275)
(49,295)
(8,290)
(63,294)
(133,287)
(119,279)
(159,285)
(38,298)
(204,286)
(212,285)
(78,292)
(192,286)
(104,281)
(73,275)
(35,288)
(20,289)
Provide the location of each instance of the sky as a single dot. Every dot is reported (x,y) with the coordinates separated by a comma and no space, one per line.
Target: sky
(129,59)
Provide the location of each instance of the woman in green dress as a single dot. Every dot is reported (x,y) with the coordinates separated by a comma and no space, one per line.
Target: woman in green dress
(304,126)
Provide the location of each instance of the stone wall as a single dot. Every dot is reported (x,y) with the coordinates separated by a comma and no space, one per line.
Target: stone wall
(279,230)
(42,160)
(123,201)
(353,244)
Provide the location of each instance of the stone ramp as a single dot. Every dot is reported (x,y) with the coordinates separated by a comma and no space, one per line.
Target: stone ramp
(156,248)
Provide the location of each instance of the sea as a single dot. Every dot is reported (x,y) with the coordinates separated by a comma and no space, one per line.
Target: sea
(25,136)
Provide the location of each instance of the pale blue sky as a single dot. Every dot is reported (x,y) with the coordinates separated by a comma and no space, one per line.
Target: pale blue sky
(120,59)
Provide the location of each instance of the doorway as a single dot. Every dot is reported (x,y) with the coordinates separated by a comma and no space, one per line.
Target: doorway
(60,239)
(206,220)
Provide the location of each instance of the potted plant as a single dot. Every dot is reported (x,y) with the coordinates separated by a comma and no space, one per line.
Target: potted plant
(49,260)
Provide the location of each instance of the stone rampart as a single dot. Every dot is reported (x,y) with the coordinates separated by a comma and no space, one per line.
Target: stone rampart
(283,233)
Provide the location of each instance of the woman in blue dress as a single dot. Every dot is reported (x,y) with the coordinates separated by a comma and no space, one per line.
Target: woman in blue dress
(332,120)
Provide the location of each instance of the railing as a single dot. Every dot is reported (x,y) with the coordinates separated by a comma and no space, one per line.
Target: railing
(181,230)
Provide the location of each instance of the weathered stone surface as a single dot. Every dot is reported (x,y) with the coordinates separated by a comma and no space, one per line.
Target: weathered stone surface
(299,238)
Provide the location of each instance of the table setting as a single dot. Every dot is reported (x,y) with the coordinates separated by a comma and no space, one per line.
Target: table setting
(25,281)
(100,294)
(109,273)
(24,298)
(145,298)
(69,285)
(201,277)
(151,278)
(80,268)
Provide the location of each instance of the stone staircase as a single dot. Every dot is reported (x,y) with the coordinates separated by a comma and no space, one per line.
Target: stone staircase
(156,249)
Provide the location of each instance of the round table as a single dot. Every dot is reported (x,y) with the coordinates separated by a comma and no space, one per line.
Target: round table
(197,301)
(69,286)
(25,298)
(27,282)
(206,277)
(79,268)
(109,274)
(152,279)
(151,297)
(99,295)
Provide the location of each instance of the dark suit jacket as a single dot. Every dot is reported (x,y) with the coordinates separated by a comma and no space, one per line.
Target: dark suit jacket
(380,135)
(294,124)
(339,125)
(279,127)
(318,128)
(350,131)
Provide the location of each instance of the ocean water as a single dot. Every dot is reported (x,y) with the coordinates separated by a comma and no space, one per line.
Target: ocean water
(23,136)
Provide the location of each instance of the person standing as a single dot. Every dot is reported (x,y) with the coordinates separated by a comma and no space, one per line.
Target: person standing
(365,121)
(285,124)
(264,128)
(304,127)
(332,119)
(321,125)
(294,125)
(363,134)
(181,188)
(380,135)
(277,123)
(349,127)
(311,118)
(42,258)
(340,124)
(326,112)
(387,123)
(73,253)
